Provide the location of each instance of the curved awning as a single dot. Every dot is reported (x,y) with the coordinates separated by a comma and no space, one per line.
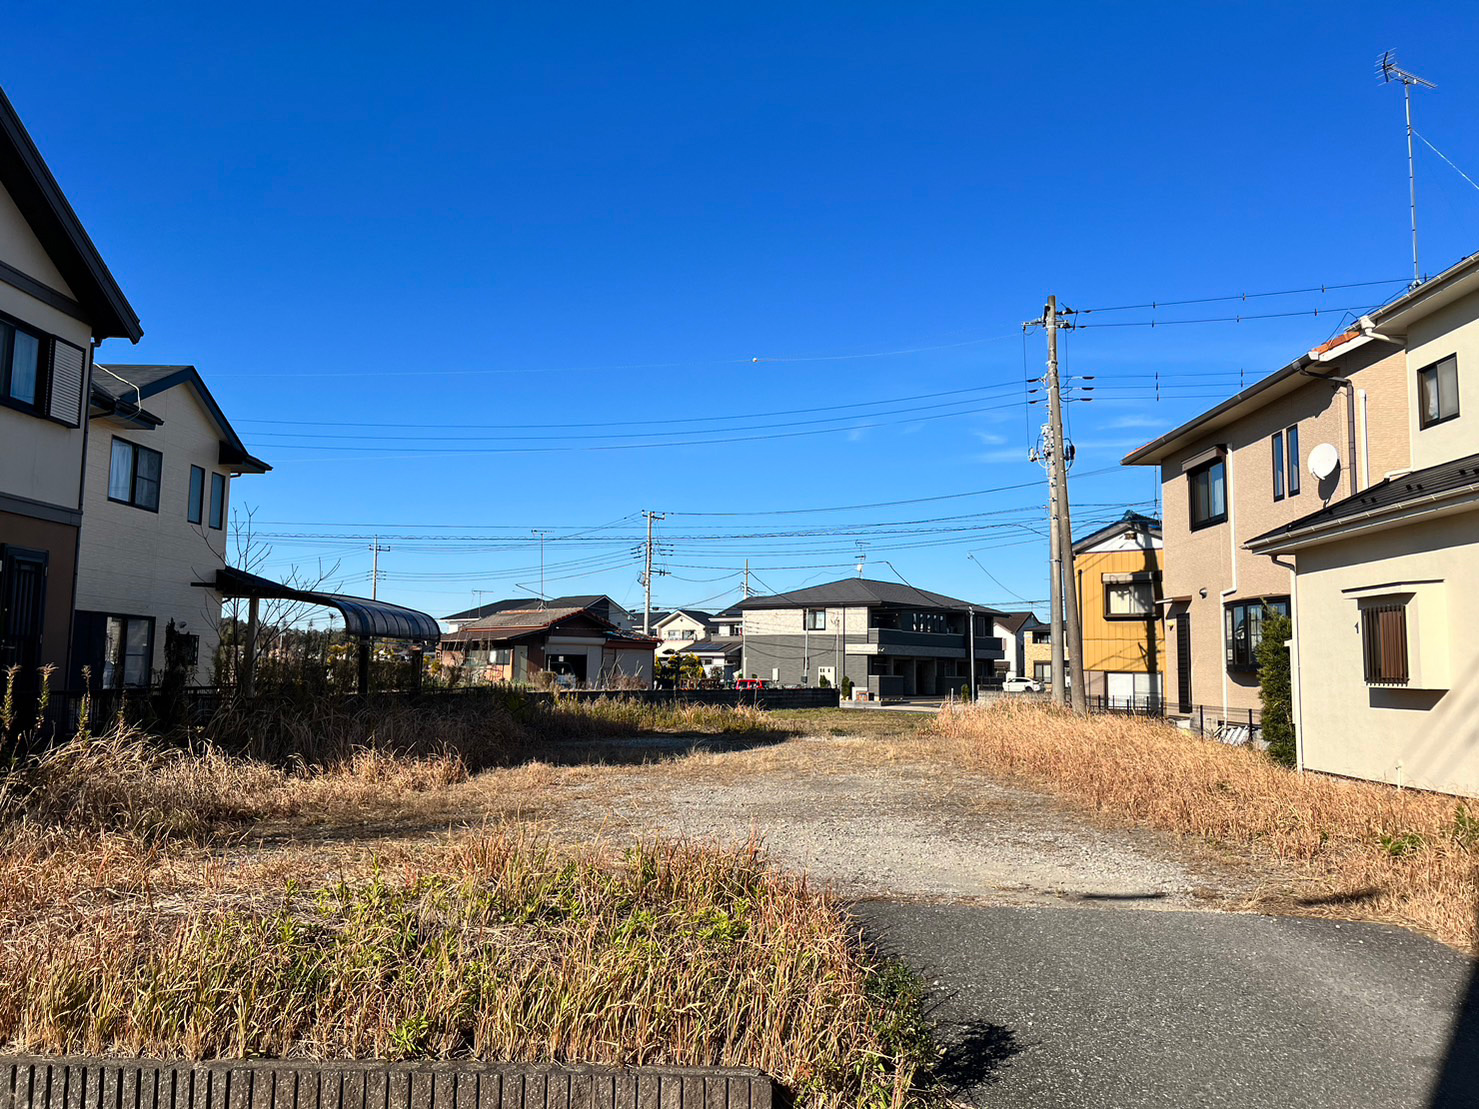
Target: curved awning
(362,616)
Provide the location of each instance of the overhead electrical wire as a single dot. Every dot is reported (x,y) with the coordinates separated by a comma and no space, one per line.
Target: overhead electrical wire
(1155,304)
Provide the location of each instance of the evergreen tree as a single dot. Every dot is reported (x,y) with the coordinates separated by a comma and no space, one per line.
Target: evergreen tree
(1275,689)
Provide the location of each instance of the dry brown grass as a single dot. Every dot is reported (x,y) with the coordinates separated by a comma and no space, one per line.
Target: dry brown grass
(1368,850)
(142,912)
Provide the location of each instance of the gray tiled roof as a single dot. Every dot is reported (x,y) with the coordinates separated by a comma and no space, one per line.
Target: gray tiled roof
(861,592)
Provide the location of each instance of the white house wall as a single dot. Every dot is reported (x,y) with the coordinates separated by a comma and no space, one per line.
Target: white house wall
(43,459)
(140,563)
(1427,738)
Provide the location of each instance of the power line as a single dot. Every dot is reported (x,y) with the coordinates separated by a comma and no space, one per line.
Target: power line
(1227,319)
(607,423)
(417,452)
(1156,304)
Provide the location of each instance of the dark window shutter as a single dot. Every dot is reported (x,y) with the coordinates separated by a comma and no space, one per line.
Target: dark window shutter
(67,377)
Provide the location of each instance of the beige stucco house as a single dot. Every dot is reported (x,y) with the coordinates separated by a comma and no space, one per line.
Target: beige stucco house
(1242,468)
(57,302)
(160,459)
(1385,603)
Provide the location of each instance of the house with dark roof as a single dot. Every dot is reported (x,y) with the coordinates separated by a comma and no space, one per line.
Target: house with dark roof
(57,300)
(161,456)
(889,639)
(572,645)
(598,604)
(1343,490)
(682,627)
(1015,629)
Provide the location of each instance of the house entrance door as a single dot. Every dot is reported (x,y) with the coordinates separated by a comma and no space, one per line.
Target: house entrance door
(22,610)
(1183,662)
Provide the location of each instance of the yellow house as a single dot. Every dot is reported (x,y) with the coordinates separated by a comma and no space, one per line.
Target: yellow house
(1117,571)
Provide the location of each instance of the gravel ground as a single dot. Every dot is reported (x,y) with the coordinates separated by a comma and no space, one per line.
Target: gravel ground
(905,828)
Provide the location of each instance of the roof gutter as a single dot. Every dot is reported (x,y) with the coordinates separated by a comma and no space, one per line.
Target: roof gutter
(1364,521)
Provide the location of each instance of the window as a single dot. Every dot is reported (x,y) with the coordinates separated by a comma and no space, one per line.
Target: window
(1437,392)
(932,622)
(20,366)
(1291,437)
(1129,600)
(1208,493)
(1278,465)
(195,507)
(1042,635)
(133,475)
(218,501)
(1384,644)
(1043,672)
(129,653)
(1244,629)
(816,619)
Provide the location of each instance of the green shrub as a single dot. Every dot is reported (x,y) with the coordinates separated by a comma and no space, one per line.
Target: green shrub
(1274,689)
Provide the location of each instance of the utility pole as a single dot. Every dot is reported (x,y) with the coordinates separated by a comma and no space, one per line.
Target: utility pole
(747,579)
(1389,71)
(541,534)
(1055,572)
(1063,586)
(647,575)
(375,549)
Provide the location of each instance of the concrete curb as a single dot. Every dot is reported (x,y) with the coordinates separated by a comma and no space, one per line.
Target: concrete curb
(92,1083)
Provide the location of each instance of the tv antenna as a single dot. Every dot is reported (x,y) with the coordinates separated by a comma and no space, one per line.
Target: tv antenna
(1388,70)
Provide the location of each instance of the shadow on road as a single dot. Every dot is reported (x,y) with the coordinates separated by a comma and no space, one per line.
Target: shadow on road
(975,1053)
(1458,1078)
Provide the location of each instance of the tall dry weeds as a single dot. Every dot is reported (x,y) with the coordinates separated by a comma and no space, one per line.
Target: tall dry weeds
(509,949)
(1398,855)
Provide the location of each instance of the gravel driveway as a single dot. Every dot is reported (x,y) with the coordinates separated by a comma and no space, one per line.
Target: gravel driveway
(1051,987)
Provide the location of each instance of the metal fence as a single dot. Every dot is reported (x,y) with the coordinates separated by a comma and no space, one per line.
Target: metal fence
(1228,725)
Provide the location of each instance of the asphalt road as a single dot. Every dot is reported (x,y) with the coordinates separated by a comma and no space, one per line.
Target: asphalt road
(1117,1008)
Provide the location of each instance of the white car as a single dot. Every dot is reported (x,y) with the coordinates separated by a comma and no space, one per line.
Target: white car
(1021,685)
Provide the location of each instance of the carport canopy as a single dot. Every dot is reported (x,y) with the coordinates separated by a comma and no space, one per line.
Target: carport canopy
(364,619)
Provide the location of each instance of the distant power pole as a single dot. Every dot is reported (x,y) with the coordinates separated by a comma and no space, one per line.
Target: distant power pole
(375,549)
(747,579)
(647,575)
(1062,540)
(541,534)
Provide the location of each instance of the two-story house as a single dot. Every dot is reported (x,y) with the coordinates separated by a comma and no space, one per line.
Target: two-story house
(1117,577)
(57,302)
(1242,468)
(160,459)
(1016,630)
(680,628)
(892,640)
(1384,595)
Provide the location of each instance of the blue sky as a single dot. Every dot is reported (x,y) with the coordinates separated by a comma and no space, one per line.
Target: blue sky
(488,223)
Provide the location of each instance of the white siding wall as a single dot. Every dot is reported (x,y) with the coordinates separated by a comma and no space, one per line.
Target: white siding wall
(142,563)
(43,460)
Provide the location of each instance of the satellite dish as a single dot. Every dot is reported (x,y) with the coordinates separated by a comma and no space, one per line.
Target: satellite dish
(1323,461)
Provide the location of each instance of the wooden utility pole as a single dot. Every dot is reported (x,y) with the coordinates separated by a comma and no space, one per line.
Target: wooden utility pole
(1073,632)
(1055,579)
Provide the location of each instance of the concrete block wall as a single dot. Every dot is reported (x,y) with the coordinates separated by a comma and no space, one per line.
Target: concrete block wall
(89,1083)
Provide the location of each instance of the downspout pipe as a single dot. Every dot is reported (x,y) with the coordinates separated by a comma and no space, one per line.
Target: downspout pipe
(1350,422)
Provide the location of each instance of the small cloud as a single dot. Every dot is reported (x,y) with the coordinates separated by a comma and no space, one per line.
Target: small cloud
(991,439)
(854,434)
(1137,421)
